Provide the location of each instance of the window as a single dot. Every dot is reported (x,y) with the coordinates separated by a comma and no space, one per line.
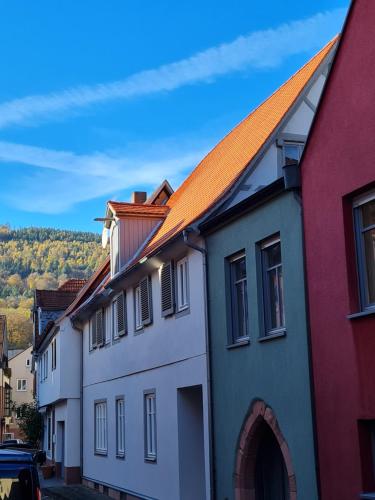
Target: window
(108,324)
(53,347)
(138,310)
(115,250)
(119,317)
(28,362)
(364,217)
(292,152)
(150,426)
(182,285)
(97,329)
(238,296)
(143,303)
(45,365)
(101,427)
(21,384)
(273,288)
(120,427)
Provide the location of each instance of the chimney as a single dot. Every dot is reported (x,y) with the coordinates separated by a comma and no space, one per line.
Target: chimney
(138,197)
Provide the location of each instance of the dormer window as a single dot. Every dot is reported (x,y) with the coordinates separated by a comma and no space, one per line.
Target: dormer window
(292,152)
(115,249)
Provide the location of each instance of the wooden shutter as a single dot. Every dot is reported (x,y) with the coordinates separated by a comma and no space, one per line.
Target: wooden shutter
(100,328)
(93,331)
(122,327)
(167,289)
(146,301)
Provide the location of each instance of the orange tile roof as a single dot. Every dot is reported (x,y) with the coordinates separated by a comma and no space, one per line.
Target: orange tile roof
(102,272)
(219,170)
(123,209)
(72,285)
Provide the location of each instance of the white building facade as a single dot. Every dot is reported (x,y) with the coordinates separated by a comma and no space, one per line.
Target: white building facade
(145,373)
(58,392)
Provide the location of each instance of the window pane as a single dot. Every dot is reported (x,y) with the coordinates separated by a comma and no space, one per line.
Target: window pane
(239,268)
(241,300)
(291,153)
(369,244)
(274,255)
(368,214)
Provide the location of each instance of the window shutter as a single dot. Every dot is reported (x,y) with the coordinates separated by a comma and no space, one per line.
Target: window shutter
(99,328)
(122,327)
(146,301)
(167,289)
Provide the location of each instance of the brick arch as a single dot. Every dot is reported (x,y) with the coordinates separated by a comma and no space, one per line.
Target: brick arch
(259,416)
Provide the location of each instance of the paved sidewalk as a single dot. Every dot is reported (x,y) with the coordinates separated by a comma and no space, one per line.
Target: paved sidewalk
(55,489)
(76,492)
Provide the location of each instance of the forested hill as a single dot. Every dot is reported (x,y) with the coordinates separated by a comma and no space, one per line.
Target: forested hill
(40,258)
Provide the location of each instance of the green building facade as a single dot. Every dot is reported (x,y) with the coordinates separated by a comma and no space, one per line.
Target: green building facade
(263,439)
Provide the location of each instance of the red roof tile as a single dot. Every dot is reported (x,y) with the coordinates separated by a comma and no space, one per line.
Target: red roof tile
(138,210)
(72,285)
(220,169)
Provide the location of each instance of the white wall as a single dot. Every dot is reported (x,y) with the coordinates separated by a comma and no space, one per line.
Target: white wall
(168,354)
(269,169)
(64,381)
(157,480)
(165,341)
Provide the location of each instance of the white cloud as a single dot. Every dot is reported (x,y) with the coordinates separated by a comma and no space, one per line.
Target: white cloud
(62,179)
(261,49)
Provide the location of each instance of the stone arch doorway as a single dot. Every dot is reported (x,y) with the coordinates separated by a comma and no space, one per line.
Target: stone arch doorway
(263,469)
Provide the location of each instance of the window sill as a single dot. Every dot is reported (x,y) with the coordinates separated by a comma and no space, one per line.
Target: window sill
(275,335)
(101,453)
(138,331)
(362,314)
(120,456)
(150,460)
(239,343)
(182,312)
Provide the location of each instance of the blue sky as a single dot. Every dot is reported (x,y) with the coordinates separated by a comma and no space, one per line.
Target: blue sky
(99,98)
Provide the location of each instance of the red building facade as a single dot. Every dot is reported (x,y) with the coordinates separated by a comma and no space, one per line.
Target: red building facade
(338,188)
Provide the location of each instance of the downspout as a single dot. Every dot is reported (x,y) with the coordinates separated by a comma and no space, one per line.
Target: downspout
(203,251)
(297,193)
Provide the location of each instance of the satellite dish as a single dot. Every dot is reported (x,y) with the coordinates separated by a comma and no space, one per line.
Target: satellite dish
(105,237)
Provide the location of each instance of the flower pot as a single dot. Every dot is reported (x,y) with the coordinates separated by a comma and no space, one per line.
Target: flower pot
(47,471)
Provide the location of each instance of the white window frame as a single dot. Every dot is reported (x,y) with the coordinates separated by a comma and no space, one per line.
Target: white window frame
(28,362)
(115,246)
(120,427)
(365,303)
(138,308)
(182,281)
(269,330)
(108,319)
(235,321)
(115,335)
(20,385)
(150,426)
(100,427)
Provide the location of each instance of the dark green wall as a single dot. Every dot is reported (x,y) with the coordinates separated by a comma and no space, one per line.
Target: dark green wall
(277,370)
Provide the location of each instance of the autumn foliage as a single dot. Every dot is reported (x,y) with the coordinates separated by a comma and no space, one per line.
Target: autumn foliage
(39,258)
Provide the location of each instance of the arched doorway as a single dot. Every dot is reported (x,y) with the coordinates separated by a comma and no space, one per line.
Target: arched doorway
(263,464)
